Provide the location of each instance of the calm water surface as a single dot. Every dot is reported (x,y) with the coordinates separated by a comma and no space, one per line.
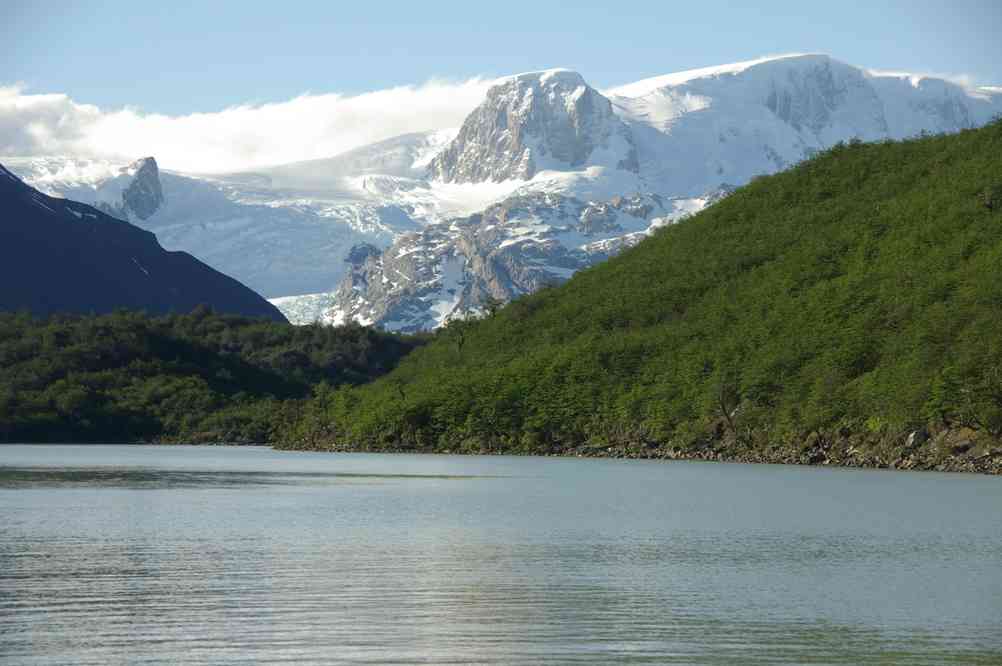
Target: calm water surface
(128,554)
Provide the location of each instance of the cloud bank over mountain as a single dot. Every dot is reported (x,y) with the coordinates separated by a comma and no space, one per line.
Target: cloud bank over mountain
(306,127)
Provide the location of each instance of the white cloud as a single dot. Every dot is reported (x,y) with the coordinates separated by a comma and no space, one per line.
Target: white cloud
(242,137)
(965,81)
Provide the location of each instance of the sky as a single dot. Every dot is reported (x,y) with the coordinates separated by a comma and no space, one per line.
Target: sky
(334,75)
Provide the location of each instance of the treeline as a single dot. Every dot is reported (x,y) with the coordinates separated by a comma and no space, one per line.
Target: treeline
(198,377)
(854,298)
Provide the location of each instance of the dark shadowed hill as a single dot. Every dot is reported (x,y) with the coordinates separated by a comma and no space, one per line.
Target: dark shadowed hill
(58,256)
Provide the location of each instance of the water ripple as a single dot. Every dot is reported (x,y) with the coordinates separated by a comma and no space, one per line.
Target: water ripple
(374,560)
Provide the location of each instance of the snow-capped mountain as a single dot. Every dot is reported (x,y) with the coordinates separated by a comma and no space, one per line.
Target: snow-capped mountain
(529,123)
(505,203)
(728,124)
(668,145)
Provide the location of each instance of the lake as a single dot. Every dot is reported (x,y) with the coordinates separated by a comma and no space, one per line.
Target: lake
(225,555)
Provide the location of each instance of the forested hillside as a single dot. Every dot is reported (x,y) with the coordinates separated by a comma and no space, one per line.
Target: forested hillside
(200,377)
(848,310)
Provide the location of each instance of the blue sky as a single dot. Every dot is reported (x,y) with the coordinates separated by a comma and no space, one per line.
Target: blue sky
(177,58)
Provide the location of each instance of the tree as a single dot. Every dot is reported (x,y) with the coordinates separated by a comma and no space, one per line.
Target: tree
(991,197)
(727,398)
(455,329)
(982,401)
(8,405)
(491,305)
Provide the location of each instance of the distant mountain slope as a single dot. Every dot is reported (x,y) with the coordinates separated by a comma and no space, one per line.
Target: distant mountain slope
(58,255)
(845,311)
(404,156)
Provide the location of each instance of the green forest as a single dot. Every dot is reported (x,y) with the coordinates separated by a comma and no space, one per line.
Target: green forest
(199,377)
(848,310)
(850,306)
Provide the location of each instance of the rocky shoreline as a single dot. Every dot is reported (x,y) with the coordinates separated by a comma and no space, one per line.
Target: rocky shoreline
(943,449)
(986,463)
(936,450)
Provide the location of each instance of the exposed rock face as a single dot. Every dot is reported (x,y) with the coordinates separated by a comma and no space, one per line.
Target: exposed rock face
(359,253)
(530,122)
(514,247)
(145,194)
(136,193)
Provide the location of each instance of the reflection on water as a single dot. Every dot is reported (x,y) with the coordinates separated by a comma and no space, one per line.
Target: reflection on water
(55,477)
(211,555)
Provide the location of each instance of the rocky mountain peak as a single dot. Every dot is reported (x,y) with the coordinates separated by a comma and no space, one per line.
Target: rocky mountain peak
(144,195)
(135,193)
(533,122)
